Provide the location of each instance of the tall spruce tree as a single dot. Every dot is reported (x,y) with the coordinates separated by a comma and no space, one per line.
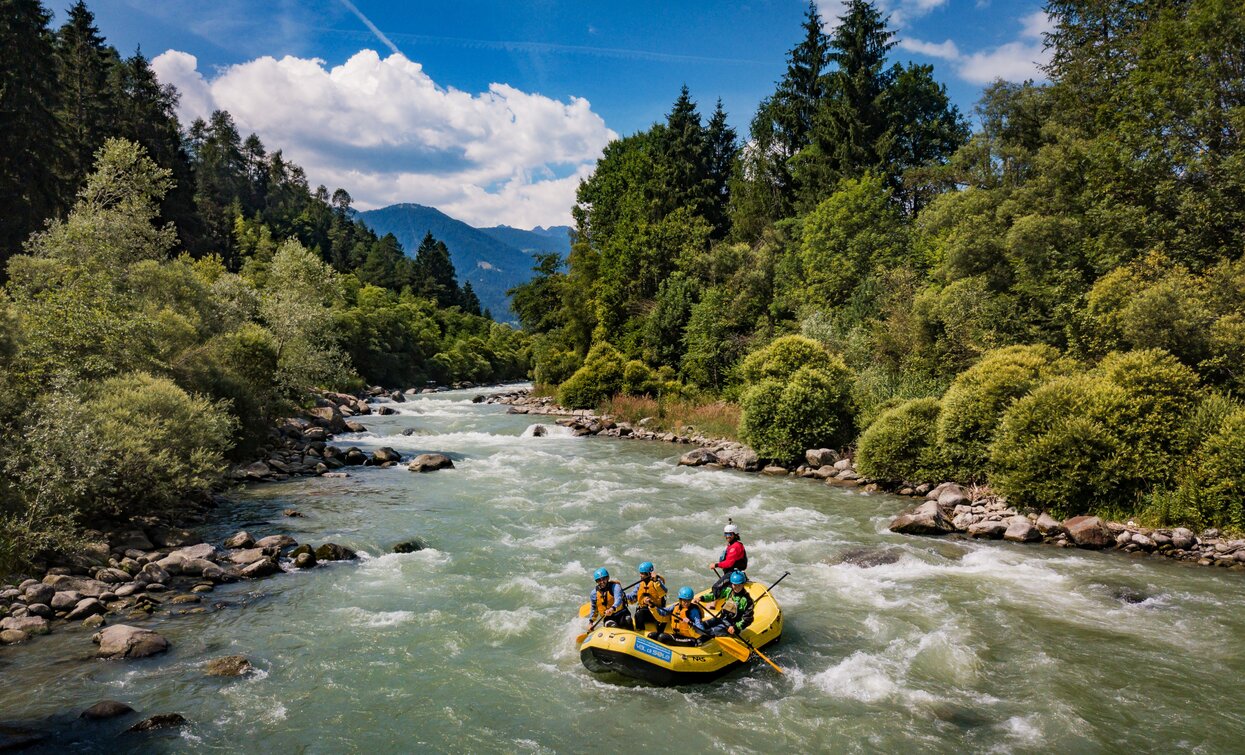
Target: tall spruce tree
(684,159)
(721,152)
(803,87)
(435,275)
(87,108)
(32,157)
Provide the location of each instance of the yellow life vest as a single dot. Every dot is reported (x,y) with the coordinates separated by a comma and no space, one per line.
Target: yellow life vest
(605,599)
(680,623)
(653,589)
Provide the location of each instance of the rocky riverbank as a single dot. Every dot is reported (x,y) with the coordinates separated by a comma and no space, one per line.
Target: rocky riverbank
(948,508)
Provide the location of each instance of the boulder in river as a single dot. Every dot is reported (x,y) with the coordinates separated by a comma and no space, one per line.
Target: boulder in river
(1087,532)
(353,457)
(1048,525)
(413,545)
(925,519)
(240,539)
(1183,538)
(13,636)
(125,641)
(305,560)
(106,709)
(262,568)
(430,463)
(27,624)
(989,529)
(335,552)
(229,665)
(160,721)
(276,541)
(867,558)
(247,556)
(40,593)
(383,455)
(86,607)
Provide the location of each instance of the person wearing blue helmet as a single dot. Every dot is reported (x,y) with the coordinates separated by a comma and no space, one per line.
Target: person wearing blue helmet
(608,602)
(737,610)
(686,621)
(649,593)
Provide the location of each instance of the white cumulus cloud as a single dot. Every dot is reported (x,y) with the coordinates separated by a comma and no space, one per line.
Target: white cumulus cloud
(1017,60)
(382,129)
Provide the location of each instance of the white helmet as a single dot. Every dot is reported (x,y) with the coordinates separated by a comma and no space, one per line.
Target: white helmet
(730,529)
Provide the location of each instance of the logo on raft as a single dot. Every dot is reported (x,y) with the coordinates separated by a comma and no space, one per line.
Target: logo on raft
(653,649)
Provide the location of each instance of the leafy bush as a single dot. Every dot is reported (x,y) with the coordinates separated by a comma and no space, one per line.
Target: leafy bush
(783,357)
(1214,488)
(902,444)
(599,379)
(136,445)
(1051,448)
(554,365)
(977,398)
(639,380)
(1099,440)
(781,419)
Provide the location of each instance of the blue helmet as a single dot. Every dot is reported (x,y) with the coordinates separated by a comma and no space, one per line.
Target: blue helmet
(601,573)
(738,578)
(646,567)
(685,593)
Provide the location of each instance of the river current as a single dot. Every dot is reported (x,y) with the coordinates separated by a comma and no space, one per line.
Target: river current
(468,645)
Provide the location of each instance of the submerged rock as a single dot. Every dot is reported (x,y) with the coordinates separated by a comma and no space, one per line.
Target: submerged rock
(867,558)
(335,552)
(229,665)
(106,709)
(159,721)
(410,546)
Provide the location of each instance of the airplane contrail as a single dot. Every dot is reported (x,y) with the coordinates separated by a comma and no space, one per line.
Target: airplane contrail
(366,22)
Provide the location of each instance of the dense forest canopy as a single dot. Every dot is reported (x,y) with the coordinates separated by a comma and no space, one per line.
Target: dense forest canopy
(1055,294)
(170,290)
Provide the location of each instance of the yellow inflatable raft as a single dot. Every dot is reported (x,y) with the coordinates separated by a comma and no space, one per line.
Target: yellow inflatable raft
(633,654)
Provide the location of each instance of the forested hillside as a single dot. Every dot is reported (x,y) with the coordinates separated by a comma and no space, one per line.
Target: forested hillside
(1052,302)
(168,292)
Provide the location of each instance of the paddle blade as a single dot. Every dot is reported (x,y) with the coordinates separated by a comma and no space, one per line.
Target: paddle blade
(734,648)
(584,610)
(580,639)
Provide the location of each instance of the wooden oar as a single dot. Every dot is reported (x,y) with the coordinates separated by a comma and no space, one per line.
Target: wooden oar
(732,646)
(586,609)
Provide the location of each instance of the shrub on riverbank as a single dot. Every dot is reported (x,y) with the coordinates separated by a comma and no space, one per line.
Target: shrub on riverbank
(974,403)
(902,444)
(599,378)
(811,409)
(712,419)
(1100,440)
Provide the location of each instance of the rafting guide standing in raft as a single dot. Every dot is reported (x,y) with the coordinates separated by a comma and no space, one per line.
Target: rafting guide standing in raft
(733,559)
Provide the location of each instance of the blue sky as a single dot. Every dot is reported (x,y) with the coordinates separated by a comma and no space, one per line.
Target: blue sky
(492,111)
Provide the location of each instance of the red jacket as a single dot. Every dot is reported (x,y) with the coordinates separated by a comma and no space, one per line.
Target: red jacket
(734,557)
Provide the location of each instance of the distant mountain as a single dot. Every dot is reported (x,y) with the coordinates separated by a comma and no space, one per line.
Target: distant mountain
(491,264)
(553,239)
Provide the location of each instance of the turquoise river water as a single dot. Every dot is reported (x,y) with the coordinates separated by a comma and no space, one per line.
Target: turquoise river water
(467,646)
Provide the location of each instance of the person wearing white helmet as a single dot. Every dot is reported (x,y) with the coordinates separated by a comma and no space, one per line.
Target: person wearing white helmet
(733,559)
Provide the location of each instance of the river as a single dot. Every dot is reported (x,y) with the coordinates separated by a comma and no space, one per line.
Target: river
(467,646)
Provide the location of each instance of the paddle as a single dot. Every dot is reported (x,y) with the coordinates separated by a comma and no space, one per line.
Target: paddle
(730,645)
(585,609)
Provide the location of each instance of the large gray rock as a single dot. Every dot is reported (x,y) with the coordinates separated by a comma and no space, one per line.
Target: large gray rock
(152,574)
(1048,525)
(190,553)
(27,624)
(65,600)
(335,552)
(86,607)
(328,417)
(196,567)
(820,457)
(1021,530)
(990,530)
(430,463)
(124,641)
(1087,532)
(112,576)
(88,587)
(383,455)
(13,636)
(262,568)
(698,457)
(951,496)
(240,539)
(40,593)
(276,541)
(926,519)
(1183,538)
(172,564)
(247,556)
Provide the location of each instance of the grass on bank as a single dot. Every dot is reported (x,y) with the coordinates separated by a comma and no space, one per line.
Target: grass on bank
(716,419)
